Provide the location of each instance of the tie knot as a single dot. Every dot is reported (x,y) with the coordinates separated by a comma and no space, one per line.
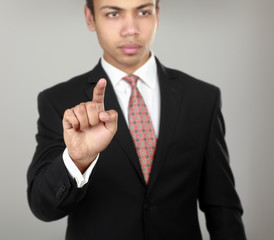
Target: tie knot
(131,80)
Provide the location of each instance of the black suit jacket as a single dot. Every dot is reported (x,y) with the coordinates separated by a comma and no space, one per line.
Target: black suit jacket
(191,167)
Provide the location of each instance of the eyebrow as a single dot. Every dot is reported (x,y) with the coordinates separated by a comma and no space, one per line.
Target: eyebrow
(119,9)
(111,7)
(145,5)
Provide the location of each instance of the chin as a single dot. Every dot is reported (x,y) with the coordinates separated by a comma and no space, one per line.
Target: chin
(134,59)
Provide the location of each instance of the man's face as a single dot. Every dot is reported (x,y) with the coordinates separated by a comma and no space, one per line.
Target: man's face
(125,30)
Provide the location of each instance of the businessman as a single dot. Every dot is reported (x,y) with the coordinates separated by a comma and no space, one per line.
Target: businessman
(131,149)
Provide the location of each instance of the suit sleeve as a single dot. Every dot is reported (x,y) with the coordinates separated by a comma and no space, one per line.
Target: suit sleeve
(218,197)
(52,194)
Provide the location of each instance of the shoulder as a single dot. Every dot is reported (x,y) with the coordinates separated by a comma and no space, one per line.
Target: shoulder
(190,81)
(191,86)
(64,88)
(195,94)
(73,91)
(66,94)
(181,78)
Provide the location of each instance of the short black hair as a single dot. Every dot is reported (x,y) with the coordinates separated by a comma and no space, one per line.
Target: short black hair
(91,7)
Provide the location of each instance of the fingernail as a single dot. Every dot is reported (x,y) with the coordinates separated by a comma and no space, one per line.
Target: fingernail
(102,80)
(105,115)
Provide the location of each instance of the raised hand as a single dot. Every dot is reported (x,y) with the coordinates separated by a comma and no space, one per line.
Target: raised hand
(88,128)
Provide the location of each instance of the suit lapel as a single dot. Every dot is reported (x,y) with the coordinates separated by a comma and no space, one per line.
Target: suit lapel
(171,95)
(171,98)
(122,135)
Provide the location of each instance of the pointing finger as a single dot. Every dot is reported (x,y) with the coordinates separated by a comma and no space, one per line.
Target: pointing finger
(99,94)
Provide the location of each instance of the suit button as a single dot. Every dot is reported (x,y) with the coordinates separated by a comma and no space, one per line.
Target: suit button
(60,191)
(147,207)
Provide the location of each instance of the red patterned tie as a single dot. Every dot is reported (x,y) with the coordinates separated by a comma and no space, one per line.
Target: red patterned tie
(141,128)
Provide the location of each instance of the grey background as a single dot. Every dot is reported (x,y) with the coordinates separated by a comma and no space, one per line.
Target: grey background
(228,43)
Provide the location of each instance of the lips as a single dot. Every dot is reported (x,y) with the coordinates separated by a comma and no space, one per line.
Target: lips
(130,48)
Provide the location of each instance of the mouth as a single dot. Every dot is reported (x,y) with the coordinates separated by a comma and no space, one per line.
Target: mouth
(130,48)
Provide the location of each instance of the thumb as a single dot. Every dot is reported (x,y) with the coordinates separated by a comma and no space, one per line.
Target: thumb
(110,118)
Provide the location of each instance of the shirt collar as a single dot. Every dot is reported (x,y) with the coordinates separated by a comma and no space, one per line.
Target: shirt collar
(147,73)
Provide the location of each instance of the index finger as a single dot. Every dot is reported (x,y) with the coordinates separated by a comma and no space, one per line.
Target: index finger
(99,94)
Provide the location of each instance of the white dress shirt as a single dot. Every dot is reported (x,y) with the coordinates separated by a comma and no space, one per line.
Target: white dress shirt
(148,86)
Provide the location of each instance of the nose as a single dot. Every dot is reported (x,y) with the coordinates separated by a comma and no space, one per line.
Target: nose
(130,26)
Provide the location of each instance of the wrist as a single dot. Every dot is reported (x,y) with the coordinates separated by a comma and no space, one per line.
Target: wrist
(83,164)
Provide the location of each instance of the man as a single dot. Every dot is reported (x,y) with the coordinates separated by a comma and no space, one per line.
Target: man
(127,149)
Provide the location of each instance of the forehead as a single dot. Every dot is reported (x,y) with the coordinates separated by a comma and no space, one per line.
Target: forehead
(122,3)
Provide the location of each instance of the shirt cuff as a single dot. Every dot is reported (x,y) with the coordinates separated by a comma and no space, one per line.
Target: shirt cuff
(81,179)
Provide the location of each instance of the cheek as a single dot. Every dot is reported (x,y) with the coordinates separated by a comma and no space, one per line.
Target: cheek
(105,37)
(149,34)
(149,29)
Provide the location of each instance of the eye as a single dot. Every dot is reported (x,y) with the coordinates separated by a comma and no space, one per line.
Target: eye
(112,14)
(144,13)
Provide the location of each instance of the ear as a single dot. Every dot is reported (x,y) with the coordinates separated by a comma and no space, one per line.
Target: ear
(89,19)
(158,14)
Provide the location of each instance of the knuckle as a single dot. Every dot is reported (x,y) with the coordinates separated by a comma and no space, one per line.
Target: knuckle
(80,109)
(93,120)
(113,113)
(90,105)
(67,113)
